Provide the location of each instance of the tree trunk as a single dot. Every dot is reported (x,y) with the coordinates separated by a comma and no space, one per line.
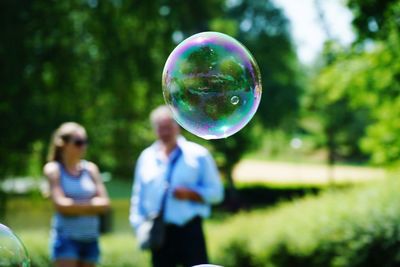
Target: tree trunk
(232,198)
(331,157)
(3,204)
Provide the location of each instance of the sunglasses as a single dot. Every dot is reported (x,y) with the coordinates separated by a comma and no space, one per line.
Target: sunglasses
(78,142)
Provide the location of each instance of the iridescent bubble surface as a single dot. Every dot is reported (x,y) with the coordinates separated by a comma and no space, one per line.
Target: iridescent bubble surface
(12,251)
(212,84)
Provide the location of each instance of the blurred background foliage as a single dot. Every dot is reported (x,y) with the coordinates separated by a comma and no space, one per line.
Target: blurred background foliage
(100,62)
(354,92)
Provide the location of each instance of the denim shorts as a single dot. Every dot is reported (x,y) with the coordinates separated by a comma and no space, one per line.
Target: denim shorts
(64,248)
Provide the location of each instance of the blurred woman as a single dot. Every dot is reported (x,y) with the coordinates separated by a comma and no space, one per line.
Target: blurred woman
(79,196)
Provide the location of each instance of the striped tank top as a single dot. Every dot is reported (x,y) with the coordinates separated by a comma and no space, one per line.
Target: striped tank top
(80,188)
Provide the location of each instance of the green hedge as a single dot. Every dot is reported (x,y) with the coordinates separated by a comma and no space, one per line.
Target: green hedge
(352,228)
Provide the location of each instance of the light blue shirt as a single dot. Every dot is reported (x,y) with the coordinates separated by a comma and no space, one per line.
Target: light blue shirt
(194,169)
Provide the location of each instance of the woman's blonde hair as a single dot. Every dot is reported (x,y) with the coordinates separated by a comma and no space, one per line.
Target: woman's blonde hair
(60,137)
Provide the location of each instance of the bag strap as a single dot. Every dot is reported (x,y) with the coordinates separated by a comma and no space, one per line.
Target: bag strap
(169,179)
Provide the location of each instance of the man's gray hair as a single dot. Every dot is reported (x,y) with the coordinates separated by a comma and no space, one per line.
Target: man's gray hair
(161,112)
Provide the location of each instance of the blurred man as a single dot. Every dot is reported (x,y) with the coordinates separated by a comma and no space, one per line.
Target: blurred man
(193,185)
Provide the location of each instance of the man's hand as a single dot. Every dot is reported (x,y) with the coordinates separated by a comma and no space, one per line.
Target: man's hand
(183,193)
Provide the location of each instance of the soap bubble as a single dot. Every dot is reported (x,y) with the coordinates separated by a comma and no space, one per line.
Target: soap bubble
(212,84)
(12,251)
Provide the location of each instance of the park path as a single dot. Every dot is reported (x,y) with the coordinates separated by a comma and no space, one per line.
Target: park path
(302,173)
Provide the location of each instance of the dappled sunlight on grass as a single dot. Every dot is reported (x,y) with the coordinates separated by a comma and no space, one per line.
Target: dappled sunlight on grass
(284,173)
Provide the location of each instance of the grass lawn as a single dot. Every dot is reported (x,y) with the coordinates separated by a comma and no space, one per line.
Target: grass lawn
(30,219)
(302,174)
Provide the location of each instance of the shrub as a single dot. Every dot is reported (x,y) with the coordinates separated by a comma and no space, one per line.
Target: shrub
(350,228)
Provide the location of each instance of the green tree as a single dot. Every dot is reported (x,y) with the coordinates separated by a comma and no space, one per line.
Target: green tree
(382,138)
(136,39)
(377,25)
(333,110)
(263,29)
(356,92)
(95,62)
(371,18)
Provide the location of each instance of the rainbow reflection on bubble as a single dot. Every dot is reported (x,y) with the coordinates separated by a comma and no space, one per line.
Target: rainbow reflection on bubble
(12,251)
(212,84)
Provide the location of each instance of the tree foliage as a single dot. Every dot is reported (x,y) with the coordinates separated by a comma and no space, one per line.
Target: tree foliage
(264,30)
(333,105)
(356,94)
(371,17)
(100,62)
(95,62)
(380,77)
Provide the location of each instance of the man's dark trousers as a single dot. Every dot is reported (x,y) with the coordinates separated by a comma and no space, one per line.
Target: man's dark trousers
(184,245)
